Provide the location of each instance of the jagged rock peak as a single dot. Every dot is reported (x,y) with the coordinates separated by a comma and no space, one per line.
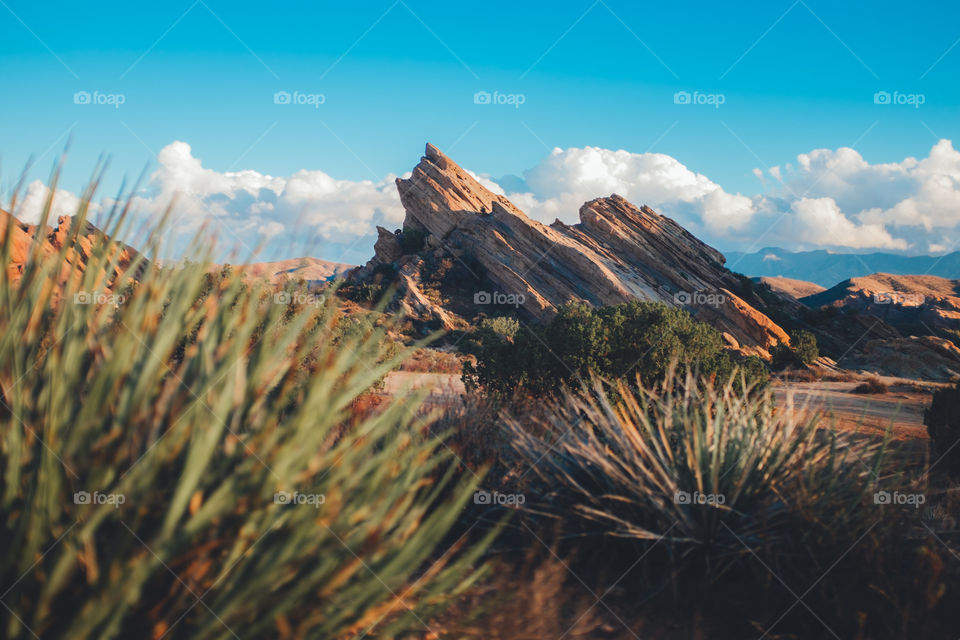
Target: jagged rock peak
(439,194)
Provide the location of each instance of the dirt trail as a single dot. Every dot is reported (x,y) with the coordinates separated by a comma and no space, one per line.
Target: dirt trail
(902,406)
(868,413)
(444,388)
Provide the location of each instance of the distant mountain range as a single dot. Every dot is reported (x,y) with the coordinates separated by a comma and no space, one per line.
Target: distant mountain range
(827,269)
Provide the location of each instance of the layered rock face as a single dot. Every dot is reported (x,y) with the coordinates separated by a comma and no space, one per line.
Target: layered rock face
(50,241)
(924,357)
(618,252)
(913,304)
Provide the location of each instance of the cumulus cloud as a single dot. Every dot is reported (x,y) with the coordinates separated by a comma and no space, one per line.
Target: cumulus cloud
(64,203)
(827,198)
(262,208)
(567,178)
(915,200)
(308,212)
(819,221)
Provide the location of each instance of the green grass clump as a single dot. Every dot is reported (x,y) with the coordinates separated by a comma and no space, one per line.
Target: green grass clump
(187,408)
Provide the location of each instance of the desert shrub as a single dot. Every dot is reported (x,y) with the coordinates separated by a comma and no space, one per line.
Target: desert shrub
(621,341)
(803,375)
(412,240)
(369,292)
(942,419)
(145,495)
(804,344)
(718,500)
(840,376)
(801,351)
(871,385)
(432,361)
(503,326)
(635,467)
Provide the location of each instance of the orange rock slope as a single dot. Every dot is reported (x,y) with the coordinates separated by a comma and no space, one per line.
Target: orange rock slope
(50,241)
(618,252)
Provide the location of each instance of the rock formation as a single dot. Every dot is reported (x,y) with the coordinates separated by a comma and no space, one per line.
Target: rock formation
(311,270)
(796,289)
(912,304)
(50,242)
(618,252)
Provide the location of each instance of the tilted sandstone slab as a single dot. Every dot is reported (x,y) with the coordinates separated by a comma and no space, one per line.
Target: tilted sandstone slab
(617,253)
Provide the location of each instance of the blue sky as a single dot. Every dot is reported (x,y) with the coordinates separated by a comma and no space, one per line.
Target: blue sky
(793,76)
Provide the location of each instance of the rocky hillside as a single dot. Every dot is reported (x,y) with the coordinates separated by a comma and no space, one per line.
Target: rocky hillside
(897,325)
(492,257)
(918,305)
(312,270)
(789,286)
(51,241)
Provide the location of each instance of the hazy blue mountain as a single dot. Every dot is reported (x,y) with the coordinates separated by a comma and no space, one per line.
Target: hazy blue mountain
(827,268)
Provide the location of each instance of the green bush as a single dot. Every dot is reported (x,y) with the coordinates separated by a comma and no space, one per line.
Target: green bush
(801,351)
(143,491)
(622,341)
(804,345)
(412,240)
(942,419)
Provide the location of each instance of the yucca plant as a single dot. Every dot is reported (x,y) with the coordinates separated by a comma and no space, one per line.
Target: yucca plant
(174,461)
(701,465)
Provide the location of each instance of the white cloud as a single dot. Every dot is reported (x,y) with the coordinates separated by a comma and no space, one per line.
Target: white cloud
(247,209)
(568,177)
(831,199)
(819,221)
(915,199)
(30,208)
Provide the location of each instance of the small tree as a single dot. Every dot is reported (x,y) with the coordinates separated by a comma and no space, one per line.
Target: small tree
(802,350)
(412,240)
(804,345)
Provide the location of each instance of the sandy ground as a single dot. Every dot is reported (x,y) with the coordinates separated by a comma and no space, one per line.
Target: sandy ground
(902,406)
(444,388)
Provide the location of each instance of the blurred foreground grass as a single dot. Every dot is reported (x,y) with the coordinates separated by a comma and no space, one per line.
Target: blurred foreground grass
(175,461)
